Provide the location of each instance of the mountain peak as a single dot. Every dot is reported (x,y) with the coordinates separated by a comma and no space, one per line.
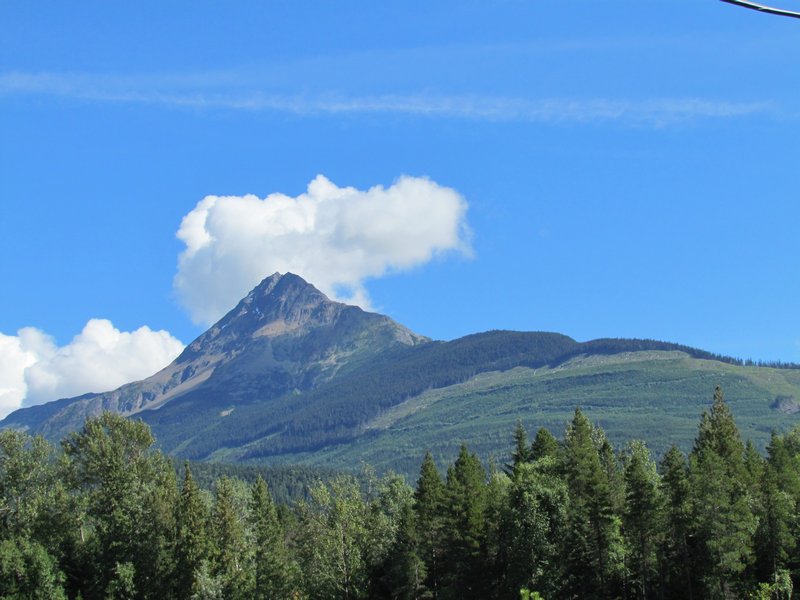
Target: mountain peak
(283,302)
(286,304)
(285,336)
(278,280)
(278,288)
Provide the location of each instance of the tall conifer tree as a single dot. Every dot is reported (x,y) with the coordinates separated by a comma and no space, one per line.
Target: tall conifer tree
(593,529)
(466,504)
(405,573)
(522,451)
(724,519)
(779,500)
(230,557)
(676,551)
(193,543)
(273,569)
(544,445)
(429,506)
(641,519)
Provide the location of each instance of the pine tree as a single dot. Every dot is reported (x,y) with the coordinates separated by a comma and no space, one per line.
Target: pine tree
(494,554)
(193,543)
(676,552)
(718,433)
(544,445)
(230,558)
(429,503)
(641,519)
(724,520)
(405,574)
(522,451)
(779,498)
(274,572)
(466,503)
(593,537)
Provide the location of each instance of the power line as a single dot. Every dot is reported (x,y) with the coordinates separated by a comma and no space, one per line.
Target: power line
(763,8)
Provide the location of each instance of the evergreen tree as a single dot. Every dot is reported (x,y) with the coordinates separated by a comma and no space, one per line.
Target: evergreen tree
(429,505)
(676,553)
(612,468)
(405,569)
(591,549)
(154,568)
(641,520)
(466,503)
(753,468)
(122,586)
(231,563)
(522,451)
(544,445)
(724,520)
(777,533)
(193,543)
(207,586)
(494,555)
(274,572)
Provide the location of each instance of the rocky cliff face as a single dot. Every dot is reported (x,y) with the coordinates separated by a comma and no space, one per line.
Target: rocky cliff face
(284,335)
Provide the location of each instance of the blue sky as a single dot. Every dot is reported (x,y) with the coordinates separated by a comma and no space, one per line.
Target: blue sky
(627,168)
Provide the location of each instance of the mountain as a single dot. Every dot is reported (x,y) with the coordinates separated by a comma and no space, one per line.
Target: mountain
(290,376)
(284,337)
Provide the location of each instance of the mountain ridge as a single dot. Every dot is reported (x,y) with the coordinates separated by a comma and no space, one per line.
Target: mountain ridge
(281,306)
(289,374)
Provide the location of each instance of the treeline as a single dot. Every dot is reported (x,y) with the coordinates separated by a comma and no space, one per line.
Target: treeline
(106,517)
(288,484)
(617,345)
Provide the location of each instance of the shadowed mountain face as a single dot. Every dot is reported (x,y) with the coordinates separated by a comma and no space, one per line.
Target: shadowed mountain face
(284,337)
(291,376)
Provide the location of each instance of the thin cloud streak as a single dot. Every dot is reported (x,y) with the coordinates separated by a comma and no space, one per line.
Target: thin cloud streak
(198,93)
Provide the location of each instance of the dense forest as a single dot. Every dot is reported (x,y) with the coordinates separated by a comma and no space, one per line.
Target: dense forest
(106,516)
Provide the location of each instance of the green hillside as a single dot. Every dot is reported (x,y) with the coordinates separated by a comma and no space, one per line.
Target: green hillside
(657,396)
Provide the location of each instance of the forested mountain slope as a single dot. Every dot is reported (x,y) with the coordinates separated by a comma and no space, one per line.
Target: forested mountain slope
(289,376)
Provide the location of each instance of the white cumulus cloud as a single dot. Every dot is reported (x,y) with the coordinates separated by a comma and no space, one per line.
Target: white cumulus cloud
(334,237)
(34,369)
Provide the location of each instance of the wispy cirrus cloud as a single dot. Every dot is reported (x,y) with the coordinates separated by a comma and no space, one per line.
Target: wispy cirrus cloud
(231,91)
